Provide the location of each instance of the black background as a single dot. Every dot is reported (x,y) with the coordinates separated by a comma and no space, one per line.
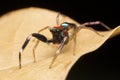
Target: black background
(102,64)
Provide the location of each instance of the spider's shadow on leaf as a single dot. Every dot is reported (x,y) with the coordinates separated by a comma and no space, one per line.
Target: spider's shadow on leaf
(101,64)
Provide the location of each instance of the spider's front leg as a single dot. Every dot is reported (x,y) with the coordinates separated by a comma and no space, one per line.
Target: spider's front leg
(42,30)
(36,35)
(58,51)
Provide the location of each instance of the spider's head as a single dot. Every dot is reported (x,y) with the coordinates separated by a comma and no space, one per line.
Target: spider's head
(67,25)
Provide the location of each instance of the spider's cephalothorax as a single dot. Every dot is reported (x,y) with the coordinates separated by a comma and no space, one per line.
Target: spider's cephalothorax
(59,32)
(60,35)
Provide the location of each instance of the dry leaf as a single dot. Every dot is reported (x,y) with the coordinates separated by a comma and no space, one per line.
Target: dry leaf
(17,25)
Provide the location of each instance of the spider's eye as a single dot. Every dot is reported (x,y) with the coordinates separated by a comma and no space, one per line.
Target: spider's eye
(65,25)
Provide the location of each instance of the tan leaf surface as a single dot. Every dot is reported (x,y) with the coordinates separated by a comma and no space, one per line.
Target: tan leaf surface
(17,25)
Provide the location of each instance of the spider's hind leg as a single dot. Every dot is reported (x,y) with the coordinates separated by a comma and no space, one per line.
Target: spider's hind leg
(83,26)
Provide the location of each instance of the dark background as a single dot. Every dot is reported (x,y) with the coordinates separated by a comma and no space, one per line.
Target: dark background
(102,64)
